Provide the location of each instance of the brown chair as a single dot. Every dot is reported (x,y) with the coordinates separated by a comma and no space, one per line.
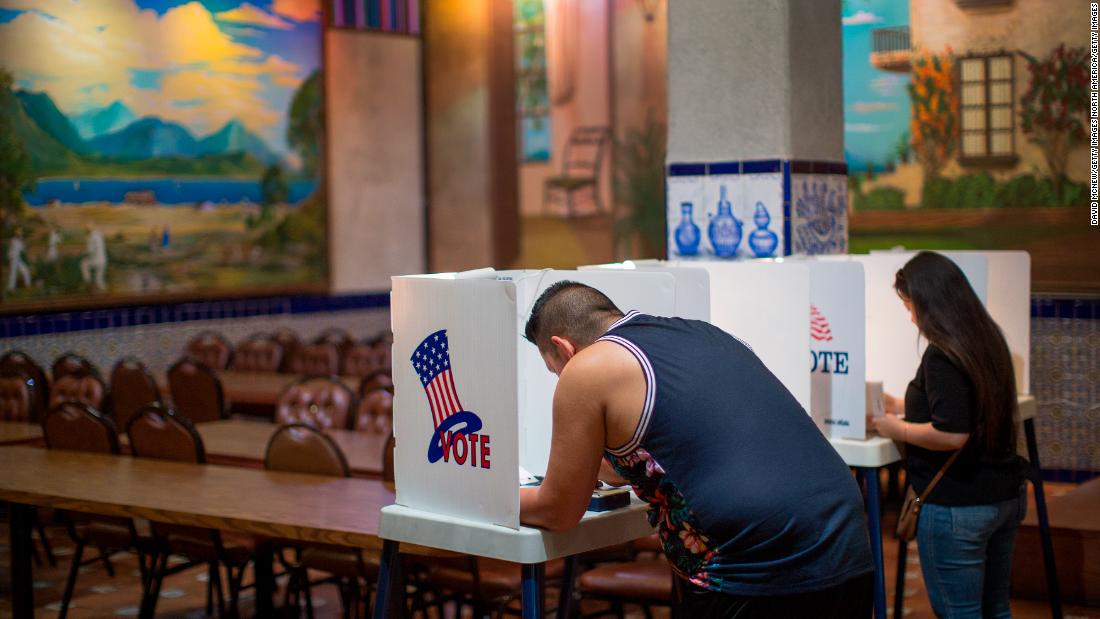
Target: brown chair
(379,379)
(362,360)
(289,339)
(335,335)
(132,387)
(211,349)
(375,412)
(581,170)
(300,448)
(16,396)
(73,426)
(196,391)
(71,363)
(321,402)
(161,434)
(646,582)
(258,353)
(322,359)
(480,582)
(20,361)
(80,386)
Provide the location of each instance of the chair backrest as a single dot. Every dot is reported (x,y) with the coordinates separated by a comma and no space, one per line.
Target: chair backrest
(323,358)
(383,347)
(78,427)
(20,361)
(160,433)
(375,412)
(584,151)
(379,379)
(82,386)
(132,387)
(289,340)
(362,360)
(317,401)
(196,391)
(16,396)
(259,353)
(71,363)
(299,448)
(211,349)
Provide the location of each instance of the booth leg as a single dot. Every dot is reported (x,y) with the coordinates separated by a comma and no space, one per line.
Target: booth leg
(899,582)
(22,579)
(390,599)
(1053,591)
(565,597)
(534,578)
(869,477)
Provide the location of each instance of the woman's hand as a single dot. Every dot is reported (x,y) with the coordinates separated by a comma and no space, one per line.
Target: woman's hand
(889,426)
(893,405)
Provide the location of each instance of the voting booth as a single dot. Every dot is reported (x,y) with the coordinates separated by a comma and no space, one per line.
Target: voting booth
(473,397)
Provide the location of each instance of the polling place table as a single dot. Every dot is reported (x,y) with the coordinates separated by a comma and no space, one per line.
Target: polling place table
(528,546)
(19,433)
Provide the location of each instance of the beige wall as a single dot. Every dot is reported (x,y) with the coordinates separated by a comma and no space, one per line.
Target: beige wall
(1032,26)
(590,103)
(375,162)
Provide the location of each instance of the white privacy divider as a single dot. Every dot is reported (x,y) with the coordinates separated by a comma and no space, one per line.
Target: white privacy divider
(472,397)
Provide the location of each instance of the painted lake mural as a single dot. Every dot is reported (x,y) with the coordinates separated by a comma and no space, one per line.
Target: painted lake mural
(152,147)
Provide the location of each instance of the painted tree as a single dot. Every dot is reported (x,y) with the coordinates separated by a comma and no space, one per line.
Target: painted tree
(16,175)
(305,130)
(934,101)
(1054,108)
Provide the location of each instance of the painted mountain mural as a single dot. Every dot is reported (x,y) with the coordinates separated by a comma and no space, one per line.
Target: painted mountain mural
(160,147)
(101,121)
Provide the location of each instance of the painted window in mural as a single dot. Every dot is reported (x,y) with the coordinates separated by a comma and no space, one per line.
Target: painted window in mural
(985,97)
(155,147)
(532,90)
(386,15)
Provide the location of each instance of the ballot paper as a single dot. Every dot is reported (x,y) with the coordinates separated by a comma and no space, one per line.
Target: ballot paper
(876,403)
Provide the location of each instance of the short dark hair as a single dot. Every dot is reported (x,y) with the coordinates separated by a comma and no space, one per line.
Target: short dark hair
(572,310)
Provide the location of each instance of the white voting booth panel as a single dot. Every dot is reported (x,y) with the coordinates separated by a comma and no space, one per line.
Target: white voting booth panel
(765,304)
(473,397)
(1008,299)
(692,285)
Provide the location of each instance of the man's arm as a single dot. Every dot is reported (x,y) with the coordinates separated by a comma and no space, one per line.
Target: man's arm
(576,450)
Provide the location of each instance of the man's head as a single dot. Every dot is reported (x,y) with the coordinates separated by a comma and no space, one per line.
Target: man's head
(567,318)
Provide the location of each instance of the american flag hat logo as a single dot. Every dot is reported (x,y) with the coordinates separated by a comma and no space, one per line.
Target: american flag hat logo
(432,362)
(819,326)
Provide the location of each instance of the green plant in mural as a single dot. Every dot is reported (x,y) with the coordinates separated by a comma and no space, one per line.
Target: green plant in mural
(902,148)
(305,130)
(16,175)
(640,185)
(1054,108)
(935,107)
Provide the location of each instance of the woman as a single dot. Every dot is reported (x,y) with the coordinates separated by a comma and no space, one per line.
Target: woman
(963,397)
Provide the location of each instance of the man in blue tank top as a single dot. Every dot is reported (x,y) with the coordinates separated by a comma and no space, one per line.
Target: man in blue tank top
(758,515)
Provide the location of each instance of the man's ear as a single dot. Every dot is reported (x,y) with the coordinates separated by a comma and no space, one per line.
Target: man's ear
(564,348)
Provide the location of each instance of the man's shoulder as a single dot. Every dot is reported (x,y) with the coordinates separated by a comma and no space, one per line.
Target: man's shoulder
(603,362)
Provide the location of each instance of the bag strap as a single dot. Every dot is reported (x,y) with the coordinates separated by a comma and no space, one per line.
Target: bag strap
(939,475)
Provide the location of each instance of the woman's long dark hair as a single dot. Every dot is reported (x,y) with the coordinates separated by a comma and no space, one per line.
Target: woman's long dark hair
(951,317)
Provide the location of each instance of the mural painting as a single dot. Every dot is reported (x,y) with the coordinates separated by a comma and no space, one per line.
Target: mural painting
(965,128)
(154,147)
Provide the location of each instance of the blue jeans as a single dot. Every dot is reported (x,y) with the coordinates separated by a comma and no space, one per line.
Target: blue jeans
(966,556)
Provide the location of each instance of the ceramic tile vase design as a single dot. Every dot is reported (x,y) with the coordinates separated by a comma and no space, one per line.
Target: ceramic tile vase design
(762,241)
(687,233)
(724,229)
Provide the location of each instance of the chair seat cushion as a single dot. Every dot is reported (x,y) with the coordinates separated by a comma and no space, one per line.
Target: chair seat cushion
(498,578)
(643,580)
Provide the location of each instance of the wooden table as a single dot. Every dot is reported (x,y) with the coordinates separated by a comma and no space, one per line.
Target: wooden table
(18,432)
(240,442)
(256,388)
(277,505)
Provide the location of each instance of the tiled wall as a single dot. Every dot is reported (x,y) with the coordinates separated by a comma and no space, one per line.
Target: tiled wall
(159,339)
(1065,379)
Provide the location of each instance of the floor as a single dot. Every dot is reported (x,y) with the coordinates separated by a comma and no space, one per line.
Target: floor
(183,595)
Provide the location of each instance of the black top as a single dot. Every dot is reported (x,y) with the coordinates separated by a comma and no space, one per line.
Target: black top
(943,394)
(748,496)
